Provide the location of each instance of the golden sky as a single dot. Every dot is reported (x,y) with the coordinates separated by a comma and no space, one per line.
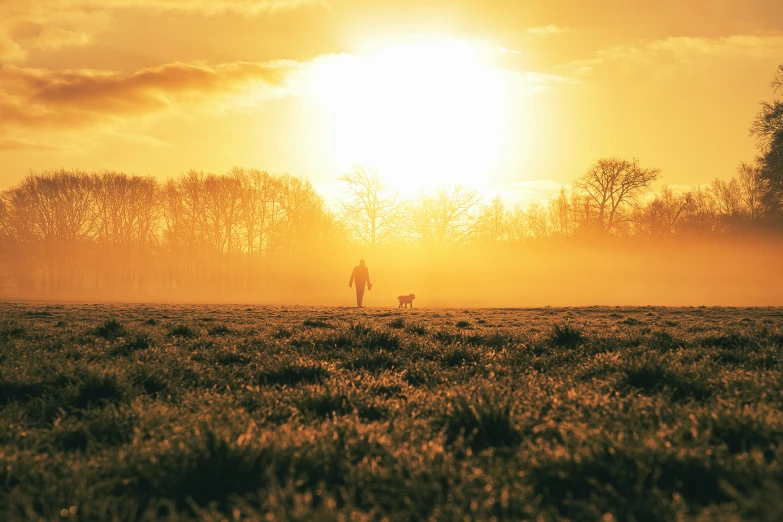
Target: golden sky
(510,97)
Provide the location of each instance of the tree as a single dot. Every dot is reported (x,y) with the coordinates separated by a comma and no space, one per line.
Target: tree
(768,131)
(660,217)
(538,222)
(62,213)
(564,212)
(753,188)
(258,192)
(492,224)
(127,210)
(303,217)
(701,215)
(611,185)
(18,239)
(517,226)
(369,211)
(443,217)
(728,199)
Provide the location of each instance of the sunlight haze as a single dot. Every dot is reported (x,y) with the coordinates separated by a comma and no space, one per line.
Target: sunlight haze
(507,96)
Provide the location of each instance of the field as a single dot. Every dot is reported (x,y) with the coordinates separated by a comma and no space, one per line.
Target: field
(134,412)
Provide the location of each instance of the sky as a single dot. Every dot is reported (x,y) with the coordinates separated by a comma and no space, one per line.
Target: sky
(511,98)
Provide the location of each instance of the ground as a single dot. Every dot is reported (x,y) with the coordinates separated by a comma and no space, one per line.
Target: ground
(174,412)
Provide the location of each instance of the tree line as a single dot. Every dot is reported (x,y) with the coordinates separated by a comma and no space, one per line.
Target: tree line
(63,231)
(613,198)
(69,231)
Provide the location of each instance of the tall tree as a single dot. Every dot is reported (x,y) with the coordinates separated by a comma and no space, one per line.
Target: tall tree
(491,226)
(768,130)
(63,217)
(19,242)
(728,198)
(443,217)
(661,216)
(611,185)
(369,210)
(753,187)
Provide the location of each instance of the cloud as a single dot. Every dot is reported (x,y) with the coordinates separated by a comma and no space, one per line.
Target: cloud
(47,25)
(210,7)
(40,98)
(27,25)
(547,30)
(728,46)
(532,82)
(684,49)
(12,144)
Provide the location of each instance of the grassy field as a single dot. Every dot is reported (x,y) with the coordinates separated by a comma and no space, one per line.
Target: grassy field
(133,412)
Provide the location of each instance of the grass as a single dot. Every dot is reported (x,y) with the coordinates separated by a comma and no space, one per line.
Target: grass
(565,336)
(111,329)
(184,331)
(481,421)
(214,413)
(291,374)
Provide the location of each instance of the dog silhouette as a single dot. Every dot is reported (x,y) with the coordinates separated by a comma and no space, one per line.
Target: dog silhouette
(406,300)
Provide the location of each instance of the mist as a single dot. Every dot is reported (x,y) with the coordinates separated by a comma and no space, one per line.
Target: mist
(251,237)
(737,272)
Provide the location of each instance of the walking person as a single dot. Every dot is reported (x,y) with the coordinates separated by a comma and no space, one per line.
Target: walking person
(361,275)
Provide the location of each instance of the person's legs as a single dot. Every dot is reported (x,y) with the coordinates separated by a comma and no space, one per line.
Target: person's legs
(359,295)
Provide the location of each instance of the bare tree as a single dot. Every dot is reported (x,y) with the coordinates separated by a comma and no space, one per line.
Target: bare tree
(611,185)
(19,243)
(127,209)
(369,211)
(443,217)
(661,216)
(537,221)
(303,218)
(563,213)
(701,215)
(491,226)
(517,226)
(258,192)
(753,188)
(62,213)
(728,199)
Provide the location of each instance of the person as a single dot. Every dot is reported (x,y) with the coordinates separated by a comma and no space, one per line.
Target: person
(361,275)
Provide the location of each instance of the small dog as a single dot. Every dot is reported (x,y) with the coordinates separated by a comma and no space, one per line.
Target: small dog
(406,300)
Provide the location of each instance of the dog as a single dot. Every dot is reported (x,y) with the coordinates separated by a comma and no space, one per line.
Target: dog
(406,300)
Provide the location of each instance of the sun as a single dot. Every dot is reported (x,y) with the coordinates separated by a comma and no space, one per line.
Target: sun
(422,113)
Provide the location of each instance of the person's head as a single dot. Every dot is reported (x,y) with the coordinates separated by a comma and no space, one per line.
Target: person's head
(361,262)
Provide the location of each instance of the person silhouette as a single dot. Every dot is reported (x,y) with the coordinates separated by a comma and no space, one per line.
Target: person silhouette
(361,275)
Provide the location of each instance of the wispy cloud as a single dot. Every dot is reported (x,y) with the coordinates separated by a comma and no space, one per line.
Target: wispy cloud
(546,30)
(39,98)
(54,24)
(11,144)
(532,82)
(249,7)
(683,49)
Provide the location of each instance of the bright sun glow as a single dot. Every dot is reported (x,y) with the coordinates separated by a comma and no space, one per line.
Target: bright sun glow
(422,113)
